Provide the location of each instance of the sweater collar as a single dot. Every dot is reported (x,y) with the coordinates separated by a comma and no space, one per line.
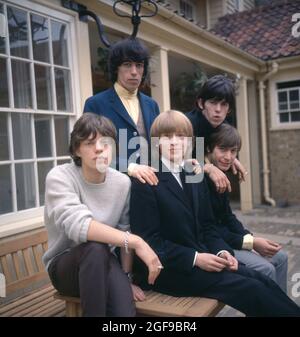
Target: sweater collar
(124,93)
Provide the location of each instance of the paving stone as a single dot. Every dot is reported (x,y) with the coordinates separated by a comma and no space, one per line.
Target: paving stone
(282,226)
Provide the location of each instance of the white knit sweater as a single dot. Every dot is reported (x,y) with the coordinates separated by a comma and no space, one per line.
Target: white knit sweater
(71,203)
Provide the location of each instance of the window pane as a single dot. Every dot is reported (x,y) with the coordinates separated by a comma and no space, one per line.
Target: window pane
(295,116)
(43,87)
(294,95)
(22,131)
(283,106)
(40,38)
(25,186)
(61,135)
(18,32)
(294,99)
(42,136)
(21,84)
(4,154)
(295,105)
(59,43)
(282,96)
(3,84)
(2,39)
(5,190)
(284,117)
(62,85)
(43,169)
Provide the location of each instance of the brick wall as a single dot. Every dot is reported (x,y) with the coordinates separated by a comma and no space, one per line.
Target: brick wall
(284,155)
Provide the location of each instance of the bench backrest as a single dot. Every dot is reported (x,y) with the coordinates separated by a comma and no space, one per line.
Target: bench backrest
(21,260)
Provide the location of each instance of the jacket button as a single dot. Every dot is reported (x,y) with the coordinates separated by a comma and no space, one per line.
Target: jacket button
(135,133)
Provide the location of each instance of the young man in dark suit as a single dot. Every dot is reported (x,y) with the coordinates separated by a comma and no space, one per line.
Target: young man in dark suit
(131,111)
(175,219)
(263,255)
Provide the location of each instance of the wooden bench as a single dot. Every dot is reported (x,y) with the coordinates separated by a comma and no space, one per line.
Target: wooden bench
(21,263)
(158,305)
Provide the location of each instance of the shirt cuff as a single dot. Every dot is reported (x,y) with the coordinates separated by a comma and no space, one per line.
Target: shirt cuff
(247,242)
(222,251)
(130,168)
(196,253)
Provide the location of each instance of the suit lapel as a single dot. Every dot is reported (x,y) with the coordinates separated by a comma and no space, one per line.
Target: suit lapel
(146,115)
(166,177)
(118,106)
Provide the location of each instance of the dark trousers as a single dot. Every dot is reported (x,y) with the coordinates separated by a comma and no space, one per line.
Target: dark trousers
(246,290)
(92,272)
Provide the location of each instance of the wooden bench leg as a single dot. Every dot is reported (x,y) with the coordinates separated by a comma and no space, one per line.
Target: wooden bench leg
(72,309)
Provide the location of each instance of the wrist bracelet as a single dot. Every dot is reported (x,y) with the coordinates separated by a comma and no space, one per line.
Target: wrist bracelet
(126,242)
(130,277)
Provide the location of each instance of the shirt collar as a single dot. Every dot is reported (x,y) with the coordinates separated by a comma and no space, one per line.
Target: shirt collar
(172,167)
(124,93)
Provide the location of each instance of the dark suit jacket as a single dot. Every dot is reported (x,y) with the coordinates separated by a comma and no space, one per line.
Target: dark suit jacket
(108,104)
(201,126)
(163,217)
(227,225)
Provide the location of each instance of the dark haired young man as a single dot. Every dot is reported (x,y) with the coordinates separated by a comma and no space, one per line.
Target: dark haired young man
(87,216)
(214,102)
(256,253)
(130,110)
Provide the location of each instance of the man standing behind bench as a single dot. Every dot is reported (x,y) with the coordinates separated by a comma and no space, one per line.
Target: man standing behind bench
(131,111)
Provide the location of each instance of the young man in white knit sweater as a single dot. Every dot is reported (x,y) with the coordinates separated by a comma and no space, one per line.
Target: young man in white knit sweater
(87,216)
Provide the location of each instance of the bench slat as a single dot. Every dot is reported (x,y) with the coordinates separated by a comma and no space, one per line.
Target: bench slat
(38,258)
(23,241)
(36,308)
(56,309)
(26,281)
(25,298)
(5,270)
(28,261)
(165,306)
(16,264)
(19,309)
(45,246)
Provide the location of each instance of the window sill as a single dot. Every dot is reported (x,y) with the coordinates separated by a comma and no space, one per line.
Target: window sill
(296,126)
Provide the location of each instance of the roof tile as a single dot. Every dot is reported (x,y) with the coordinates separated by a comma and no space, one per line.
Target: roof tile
(265,32)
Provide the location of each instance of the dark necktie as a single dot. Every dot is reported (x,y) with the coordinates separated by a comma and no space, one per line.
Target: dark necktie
(187,187)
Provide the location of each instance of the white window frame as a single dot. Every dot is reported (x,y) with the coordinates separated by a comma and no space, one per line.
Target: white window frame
(239,5)
(289,110)
(70,21)
(189,3)
(287,76)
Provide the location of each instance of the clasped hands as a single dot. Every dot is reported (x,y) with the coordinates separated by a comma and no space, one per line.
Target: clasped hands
(213,263)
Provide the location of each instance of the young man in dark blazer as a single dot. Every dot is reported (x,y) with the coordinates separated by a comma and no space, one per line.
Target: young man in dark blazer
(176,220)
(258,253)
(131,111)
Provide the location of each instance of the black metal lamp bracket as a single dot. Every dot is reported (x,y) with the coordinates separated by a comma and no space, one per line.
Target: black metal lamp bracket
(136,6)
